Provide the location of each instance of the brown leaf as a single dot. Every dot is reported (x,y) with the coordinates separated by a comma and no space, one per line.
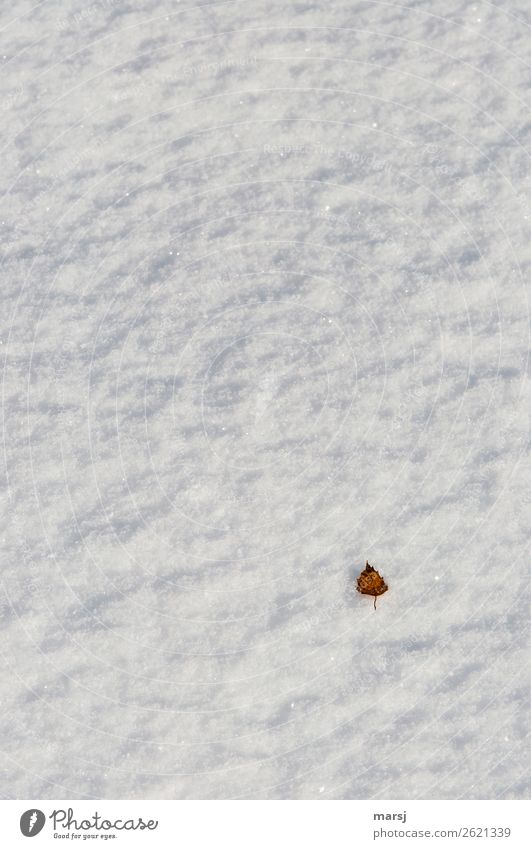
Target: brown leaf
(370,582)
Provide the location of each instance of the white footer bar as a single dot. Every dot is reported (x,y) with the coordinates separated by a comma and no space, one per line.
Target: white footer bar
(267,824)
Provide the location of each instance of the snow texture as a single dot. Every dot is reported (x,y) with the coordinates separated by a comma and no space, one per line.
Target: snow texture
(265,316)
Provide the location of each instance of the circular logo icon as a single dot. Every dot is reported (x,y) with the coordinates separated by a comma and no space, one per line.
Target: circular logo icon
(31,822)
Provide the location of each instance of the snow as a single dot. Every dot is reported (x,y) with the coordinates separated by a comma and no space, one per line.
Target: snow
(266,316)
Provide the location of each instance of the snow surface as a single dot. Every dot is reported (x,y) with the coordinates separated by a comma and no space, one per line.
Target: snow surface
(265,315)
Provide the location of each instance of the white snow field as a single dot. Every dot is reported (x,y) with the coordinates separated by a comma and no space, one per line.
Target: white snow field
(265,316)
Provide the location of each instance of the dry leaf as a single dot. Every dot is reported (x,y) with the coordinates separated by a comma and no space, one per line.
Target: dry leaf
(370,582)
